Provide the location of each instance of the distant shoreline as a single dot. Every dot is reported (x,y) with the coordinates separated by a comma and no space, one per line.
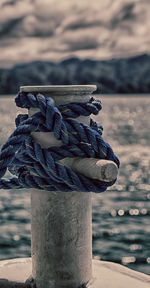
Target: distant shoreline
(115,76)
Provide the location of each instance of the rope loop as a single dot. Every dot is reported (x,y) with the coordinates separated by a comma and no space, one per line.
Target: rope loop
(35,167)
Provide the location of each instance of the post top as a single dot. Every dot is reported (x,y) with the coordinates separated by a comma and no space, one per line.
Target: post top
(60,89)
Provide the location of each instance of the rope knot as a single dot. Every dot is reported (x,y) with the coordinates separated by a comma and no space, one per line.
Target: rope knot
(40,168)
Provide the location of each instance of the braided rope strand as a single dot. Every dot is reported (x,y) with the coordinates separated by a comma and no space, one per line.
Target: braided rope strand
(35,167)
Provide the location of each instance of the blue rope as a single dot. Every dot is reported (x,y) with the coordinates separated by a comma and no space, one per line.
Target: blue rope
(40,168)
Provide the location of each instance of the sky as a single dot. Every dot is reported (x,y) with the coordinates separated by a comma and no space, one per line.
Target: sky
(53,30)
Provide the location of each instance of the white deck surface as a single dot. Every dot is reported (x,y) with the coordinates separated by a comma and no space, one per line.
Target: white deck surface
(105,275)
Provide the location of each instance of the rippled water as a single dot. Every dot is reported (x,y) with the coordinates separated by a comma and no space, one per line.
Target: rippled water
(121,216)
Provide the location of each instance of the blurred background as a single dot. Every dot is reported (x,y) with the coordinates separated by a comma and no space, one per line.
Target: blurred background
(41,41)
(106,43)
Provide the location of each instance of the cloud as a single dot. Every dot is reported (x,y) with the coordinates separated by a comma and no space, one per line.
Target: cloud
(53,29)
(81,40)
(12,16)
(80,22)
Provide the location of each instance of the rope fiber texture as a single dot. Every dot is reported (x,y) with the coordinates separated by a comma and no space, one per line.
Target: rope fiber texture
(40,168)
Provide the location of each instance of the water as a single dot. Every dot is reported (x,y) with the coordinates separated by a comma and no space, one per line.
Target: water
(121,216)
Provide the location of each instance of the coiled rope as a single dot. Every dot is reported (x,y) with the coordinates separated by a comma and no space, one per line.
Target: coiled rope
(40,168)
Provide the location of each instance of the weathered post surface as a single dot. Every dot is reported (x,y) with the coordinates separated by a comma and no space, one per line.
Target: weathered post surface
(61,222)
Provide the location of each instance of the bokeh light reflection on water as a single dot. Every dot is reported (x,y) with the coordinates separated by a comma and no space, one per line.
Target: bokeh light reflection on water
(121,216)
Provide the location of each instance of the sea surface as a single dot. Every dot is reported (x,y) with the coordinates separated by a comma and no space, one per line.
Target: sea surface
(121,215)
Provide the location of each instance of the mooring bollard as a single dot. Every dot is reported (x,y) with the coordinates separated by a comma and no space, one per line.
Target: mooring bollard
(61,222)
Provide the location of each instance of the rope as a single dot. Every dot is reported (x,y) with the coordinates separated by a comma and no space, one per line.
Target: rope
(40,168)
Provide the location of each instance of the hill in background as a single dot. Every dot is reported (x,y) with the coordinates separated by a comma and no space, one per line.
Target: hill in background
(130,75)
